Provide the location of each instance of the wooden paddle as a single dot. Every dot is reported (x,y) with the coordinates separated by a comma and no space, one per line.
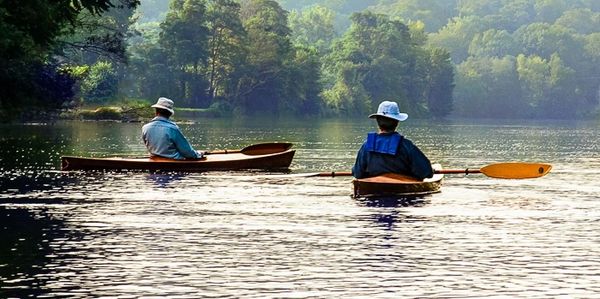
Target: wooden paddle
(258,149)
(510,170)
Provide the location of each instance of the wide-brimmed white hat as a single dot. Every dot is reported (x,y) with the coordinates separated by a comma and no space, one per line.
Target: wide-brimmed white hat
(390,110)
(164,103)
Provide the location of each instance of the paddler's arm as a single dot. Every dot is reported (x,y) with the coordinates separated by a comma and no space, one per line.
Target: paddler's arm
(420,165)
(359,170)
(183,146)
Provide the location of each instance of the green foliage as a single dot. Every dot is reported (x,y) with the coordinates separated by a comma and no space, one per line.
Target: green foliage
(514,58)
(99,83)
(226,48)
(582,20)
(493,79)
(102,113)
(493,43)
(303,86)
(440,83)
(433,13)
(313,26)
(378,60)
(457,35)
(31,36)
(152,10)
(184,39)
(263,84)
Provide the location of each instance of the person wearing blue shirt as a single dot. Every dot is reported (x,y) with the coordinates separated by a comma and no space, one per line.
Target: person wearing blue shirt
(389,152)
(163,137)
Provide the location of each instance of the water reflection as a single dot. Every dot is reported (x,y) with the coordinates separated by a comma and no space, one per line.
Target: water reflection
(30,184)
(390,208)
(26,250)
(245,235)
(163,180)
(393,201)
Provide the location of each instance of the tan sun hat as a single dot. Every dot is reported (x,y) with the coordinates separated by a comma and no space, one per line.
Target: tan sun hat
(164,103)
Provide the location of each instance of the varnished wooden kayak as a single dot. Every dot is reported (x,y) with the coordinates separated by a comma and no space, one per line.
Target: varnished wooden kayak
(223,161)
(392,184)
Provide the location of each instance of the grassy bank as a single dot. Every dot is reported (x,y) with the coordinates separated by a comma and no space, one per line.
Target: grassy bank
(134,111)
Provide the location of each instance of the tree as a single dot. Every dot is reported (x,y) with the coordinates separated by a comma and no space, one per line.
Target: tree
(493,43)
(99,82)
(548,86)
(582,20)
(184,38)
(150,74)
(533,73)
(313,26)
(96,37)
(226,48)
(563,100)
(550,10)
(478,7)
(375,60)
(544,40)
(440,83)
(485,88)
(263,83)
(29,31)
(514,14)
(457,35)
(588,78)
(303,86)
(433,13)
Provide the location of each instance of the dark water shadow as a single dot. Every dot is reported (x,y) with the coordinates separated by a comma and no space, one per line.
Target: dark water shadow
(389,209)
(164,179)
(27,182)
(25,251)
(393,201)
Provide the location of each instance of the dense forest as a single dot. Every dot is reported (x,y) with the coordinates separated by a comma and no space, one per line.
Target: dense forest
(437,58)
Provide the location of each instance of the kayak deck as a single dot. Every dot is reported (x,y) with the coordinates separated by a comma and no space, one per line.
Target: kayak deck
(223,161)
(391,184)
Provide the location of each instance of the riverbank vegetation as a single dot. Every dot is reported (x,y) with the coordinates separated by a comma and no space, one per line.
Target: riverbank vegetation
(468,58)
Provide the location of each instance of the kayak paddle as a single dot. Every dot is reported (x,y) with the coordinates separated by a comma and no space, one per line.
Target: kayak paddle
(510,170)
(258,149)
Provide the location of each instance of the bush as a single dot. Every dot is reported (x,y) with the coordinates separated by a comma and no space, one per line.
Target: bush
(102,113)
(100,83)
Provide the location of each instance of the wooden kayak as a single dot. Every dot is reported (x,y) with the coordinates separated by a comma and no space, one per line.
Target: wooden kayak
(219,161)
(392,184)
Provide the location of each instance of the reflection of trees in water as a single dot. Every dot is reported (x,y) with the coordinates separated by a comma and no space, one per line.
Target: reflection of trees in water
(25,250)
(388,217)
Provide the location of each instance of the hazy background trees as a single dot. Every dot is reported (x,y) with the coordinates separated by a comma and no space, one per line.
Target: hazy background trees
(467,58)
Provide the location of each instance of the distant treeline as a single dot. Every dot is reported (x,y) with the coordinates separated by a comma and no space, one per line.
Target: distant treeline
(507,58)
(252,56)
(513,58)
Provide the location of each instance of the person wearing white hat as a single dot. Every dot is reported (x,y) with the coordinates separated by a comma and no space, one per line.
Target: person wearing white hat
(389,152)
(163,137)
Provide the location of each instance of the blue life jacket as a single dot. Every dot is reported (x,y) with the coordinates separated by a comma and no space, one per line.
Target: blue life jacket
(387,144)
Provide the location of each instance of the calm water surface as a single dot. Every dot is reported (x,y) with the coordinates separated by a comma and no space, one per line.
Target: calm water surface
(252,235)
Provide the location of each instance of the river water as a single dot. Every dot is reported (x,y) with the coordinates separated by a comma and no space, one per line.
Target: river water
(253,235)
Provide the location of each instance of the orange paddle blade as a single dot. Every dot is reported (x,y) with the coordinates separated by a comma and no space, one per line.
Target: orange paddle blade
(516,170)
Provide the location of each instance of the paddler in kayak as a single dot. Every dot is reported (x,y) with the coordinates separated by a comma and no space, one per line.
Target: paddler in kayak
(389,152)
(164,138)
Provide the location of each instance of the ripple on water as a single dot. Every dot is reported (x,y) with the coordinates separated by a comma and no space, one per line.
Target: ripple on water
(244,234)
